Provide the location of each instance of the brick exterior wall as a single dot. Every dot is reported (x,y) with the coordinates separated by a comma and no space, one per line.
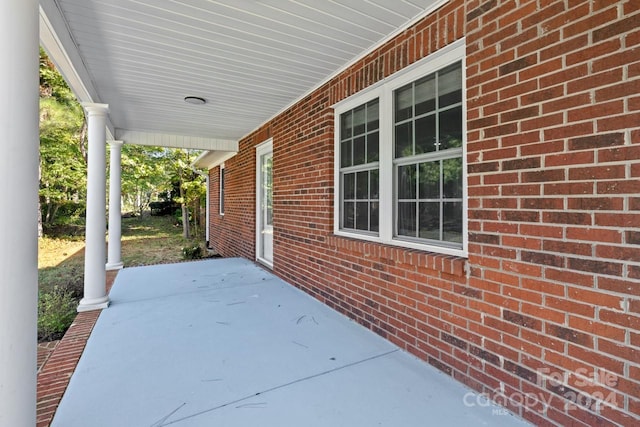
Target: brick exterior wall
(546,308)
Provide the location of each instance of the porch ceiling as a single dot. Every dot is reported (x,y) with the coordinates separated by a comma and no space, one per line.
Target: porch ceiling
(248,59)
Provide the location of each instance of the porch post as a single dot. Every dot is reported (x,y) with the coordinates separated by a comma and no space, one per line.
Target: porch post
(95,292)
(18,217)
(114,259)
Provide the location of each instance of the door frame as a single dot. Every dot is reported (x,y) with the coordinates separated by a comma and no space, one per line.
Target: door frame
(263,148)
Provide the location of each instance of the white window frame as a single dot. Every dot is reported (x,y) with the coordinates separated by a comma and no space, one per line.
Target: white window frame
(221,181)
(384,92)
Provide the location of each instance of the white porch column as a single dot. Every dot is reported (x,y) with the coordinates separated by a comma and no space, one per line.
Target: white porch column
(95,292)
(18,217)
(114,257)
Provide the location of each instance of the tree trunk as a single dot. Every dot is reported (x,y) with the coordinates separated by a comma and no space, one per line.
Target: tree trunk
(83,140)
(40,230)
(49,208)
(196,217)
(185,222)
(139,202)
(51,212)
(185,215)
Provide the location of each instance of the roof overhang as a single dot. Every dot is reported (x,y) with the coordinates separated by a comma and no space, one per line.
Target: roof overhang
(176,141)
(210,159)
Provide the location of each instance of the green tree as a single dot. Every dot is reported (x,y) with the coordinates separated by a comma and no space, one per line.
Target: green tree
(190,184)
(194,193)
(144,175)
(62,144)
(149,173)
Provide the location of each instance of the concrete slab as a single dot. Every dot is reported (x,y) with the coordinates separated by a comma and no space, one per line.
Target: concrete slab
(226,343)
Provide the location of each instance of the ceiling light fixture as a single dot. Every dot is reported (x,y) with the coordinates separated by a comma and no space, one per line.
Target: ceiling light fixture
(195,100)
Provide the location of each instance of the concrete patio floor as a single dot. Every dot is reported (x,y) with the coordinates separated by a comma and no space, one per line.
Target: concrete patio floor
(225,343)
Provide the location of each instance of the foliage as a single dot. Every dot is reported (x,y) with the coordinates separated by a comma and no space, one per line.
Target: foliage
(60,278)
(63,167)
(56,311)
(178,217)
(52,84)
(144,176)
(190,184)
(154,173)
(192,252)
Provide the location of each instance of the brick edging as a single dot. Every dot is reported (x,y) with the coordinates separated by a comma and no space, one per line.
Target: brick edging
(54,376)
(44,352)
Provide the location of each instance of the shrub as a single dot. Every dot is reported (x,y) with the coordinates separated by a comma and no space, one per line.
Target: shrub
(192,252)
(56,311)
(178,215)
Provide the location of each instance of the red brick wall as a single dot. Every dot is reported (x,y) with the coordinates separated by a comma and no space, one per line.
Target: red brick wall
(551,287)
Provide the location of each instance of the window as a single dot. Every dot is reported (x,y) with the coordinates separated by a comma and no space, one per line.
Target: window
(428,156)
(400,158)
(359,153)
(222,189)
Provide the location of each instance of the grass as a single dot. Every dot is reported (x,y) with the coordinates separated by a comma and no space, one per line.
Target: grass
(153,240)
(145,240)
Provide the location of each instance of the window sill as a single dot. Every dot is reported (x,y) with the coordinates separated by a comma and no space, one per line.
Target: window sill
(398,255)
(406,244)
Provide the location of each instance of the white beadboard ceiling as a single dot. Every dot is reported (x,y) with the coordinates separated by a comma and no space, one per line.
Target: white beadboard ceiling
(248,59)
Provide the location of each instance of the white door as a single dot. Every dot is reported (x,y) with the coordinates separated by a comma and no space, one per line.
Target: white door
(264,203)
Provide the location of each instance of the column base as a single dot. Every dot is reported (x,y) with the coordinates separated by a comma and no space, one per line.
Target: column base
(114,266)
(93,304)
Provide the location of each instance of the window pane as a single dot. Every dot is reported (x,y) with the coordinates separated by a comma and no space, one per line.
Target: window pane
(374,190)
(452,223)
(404,140)
(425,95)
(451,128)
(362,215)
(407,219)
(345,153)
(349,190)
(450,85)
(359,151)
(346,126)
(373,149)
(426,134)
(358,120)
(348,219)
(404,103)
(429,180)
(452,174)
(268,188)
(430,220)
(269,219)
(374,217)
(407,182)
(362,185)
(373,112)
